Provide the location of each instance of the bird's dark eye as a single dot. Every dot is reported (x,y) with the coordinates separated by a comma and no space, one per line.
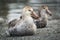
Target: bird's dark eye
(29,10)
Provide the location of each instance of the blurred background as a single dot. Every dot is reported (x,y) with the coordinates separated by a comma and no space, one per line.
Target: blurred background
(11,9)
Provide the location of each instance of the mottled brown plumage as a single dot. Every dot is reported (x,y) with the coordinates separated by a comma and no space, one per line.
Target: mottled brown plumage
(24,26)
(43,14)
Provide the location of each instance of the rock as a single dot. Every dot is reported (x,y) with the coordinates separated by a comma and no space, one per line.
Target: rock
(1,20)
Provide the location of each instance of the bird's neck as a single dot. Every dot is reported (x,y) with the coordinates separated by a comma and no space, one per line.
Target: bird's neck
(26,16)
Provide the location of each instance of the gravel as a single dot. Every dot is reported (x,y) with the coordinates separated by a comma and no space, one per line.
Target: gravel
(51,32)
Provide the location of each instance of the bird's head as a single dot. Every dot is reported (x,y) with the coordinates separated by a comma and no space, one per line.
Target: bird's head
(27,10)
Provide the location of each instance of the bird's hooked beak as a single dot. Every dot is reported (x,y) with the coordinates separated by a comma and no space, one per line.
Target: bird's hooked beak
(49,12)
(34,15)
